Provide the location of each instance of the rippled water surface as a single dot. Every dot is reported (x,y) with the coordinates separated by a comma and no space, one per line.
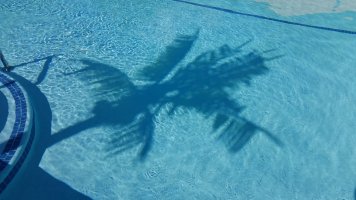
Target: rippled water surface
(186,100)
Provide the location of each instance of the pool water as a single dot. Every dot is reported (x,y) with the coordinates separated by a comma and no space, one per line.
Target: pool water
(185,99)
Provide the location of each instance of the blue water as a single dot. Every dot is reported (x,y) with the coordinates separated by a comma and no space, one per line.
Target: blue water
(173,100)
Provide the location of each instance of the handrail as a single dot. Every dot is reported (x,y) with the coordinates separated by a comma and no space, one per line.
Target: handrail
(7,67)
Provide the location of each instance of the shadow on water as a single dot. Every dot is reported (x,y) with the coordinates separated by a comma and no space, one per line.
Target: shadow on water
(44,71)
(201,85)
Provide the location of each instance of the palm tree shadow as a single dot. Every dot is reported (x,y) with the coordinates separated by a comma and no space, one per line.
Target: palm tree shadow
(202,85)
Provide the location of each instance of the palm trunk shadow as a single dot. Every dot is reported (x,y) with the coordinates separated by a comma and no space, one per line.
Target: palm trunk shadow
(72,130)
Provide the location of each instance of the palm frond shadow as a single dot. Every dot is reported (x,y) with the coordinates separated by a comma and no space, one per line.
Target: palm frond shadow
(202,85)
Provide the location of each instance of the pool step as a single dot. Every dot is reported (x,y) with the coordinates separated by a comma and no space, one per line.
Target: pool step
(17,136)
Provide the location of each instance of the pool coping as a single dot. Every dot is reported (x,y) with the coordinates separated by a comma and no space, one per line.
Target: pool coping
(21,138)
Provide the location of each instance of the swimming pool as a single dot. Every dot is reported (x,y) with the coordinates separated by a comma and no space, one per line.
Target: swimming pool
(185,99)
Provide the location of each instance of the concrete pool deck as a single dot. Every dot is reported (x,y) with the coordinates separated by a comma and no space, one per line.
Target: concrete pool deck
(16,136)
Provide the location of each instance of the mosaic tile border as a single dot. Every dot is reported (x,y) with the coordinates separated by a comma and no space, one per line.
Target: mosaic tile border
(17,133)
